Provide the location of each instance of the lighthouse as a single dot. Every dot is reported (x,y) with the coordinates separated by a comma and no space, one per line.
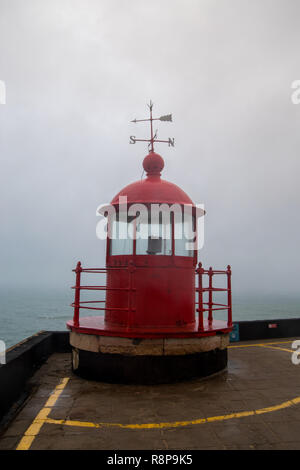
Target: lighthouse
(155,322)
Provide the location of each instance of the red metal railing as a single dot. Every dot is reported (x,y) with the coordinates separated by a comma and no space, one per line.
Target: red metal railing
(203,307)
(210,305)
(78,304)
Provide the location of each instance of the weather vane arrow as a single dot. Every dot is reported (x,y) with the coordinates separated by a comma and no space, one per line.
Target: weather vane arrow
(153,138)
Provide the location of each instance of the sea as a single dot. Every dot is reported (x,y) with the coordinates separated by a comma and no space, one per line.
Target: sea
(25,311)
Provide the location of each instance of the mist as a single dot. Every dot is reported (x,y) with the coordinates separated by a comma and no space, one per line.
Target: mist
(78,71)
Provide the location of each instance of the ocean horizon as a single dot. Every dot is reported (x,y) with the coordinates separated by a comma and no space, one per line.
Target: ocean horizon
(25,311)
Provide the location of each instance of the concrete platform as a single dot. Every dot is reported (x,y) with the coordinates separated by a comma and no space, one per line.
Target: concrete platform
(255,404)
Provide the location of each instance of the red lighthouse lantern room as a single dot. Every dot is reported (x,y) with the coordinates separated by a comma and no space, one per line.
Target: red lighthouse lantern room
(155,321)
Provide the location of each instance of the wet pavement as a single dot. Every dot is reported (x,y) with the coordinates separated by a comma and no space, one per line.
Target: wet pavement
(255,404)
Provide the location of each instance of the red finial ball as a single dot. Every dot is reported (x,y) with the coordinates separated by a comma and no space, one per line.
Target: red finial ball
(153,164)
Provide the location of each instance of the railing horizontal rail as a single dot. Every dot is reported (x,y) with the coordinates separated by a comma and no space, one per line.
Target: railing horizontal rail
(101,308)
(101,288)
(206,271)
(214,303)
(207,303)
(213,309)
(102,270)
(213,289)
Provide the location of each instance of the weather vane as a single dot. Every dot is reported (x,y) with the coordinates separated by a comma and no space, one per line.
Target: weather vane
(153,138)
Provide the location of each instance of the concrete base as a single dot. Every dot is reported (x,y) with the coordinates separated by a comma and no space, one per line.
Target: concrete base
(145,361)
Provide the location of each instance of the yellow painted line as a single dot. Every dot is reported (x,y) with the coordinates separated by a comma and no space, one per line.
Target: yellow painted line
(259,344)
(35,427)
(276,347)
(175,424)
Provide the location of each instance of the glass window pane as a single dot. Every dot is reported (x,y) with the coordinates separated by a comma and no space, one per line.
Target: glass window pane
(183,233)
(154,239)
(121,243)
(142,234)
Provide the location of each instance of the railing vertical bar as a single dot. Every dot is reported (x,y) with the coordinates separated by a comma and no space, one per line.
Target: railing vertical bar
(77,294)
(200,298)
(210,296)
(229,299)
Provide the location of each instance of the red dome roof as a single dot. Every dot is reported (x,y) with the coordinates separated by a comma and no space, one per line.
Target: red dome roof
(153,189)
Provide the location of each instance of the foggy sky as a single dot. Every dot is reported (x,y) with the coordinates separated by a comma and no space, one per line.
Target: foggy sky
(76,73)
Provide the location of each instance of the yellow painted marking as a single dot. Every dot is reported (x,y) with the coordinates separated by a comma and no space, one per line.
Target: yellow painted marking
(259,344)
(276,347)
(35,427)
(175,424)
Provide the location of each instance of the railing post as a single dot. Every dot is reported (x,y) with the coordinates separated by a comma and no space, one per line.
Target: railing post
(131,269)
(229,300)
(210,297)
(78,271)
(199,271)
